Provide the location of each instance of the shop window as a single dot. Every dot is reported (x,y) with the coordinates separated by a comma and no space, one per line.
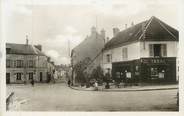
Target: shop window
(161,74)
(117,74)
(124,53)
(158,50)
(18,76)
(154,72)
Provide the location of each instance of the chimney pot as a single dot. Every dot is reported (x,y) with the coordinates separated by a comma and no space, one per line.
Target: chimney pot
(103,33)
(27,41)
(115,31)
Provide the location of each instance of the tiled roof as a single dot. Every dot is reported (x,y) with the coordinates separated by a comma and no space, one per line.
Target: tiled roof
(154,29)
(23,49)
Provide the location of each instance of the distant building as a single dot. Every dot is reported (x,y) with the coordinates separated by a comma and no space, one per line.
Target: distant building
(87,52)
(25,62)
(145,52)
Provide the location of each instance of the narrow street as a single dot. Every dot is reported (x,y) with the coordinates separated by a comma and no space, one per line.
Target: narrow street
(59,97)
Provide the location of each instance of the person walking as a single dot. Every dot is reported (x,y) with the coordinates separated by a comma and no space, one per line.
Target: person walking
(96,86)
(32,82)
(69,83)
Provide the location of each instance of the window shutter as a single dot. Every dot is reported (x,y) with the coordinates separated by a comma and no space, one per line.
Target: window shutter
(151,51)
(124,53)
(164,49)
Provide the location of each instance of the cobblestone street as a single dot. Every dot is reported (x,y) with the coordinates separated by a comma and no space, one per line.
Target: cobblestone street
(59,97)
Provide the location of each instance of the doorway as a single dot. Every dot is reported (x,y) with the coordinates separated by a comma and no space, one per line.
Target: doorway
(157,50)
(30,75)
(41,78)
(7,78)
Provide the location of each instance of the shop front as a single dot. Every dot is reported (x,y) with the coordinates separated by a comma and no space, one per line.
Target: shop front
(158,69)
(151,70)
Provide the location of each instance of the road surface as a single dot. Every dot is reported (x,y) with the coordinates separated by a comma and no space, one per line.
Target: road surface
(59,97)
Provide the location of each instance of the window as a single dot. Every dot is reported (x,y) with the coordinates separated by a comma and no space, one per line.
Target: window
(8,63)
(154,72)
(108,58)
(30,63)
(158,50)
(8,50)
(164,50)
(18,76)
(19,63)
(124,53)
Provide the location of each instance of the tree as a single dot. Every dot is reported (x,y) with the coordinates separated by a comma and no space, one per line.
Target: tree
(97,74)
(81,75)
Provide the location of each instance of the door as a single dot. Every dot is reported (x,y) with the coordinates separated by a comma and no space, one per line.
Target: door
(41,78)
(7,78)
(30,75)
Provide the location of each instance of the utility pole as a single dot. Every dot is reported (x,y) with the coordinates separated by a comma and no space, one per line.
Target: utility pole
(69,48)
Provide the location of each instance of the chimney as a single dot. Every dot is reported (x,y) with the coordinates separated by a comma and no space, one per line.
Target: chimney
(27,41)
(48,59)
(39,47)
(103,33)
(125,26)
(132,24)
(115,31)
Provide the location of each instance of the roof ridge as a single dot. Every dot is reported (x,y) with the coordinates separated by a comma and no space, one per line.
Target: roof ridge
(147,25)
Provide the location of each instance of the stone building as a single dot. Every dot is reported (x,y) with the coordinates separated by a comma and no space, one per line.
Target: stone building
(25,62)
(145,52)
(88,53)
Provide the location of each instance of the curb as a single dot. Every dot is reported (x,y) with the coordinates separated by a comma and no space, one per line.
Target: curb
(126,90)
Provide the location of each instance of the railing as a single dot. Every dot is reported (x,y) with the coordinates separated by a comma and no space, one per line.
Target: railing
(9,100)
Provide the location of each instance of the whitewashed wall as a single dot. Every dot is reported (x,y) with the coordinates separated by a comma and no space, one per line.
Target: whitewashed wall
(133,53)
(171,48)
(136,51)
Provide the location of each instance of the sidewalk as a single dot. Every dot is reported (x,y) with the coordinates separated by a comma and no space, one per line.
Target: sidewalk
(129,88)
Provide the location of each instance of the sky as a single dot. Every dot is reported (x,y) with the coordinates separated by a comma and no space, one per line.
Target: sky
(58,24)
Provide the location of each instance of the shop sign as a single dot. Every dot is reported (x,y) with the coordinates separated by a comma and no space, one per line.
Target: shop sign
(161,75)
(155,61)
(128,74)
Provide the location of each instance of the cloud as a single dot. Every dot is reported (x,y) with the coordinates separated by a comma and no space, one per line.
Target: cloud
(64,60)
(53,54)
(71,30)
(12,7)
(53,23)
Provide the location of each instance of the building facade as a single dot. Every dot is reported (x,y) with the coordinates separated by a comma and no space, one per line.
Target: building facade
(25,62)
(145,52)
(86,55)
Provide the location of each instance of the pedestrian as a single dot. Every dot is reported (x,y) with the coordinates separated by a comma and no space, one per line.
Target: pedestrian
(96,86)
(32,82)
(107,86)
(69,83)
